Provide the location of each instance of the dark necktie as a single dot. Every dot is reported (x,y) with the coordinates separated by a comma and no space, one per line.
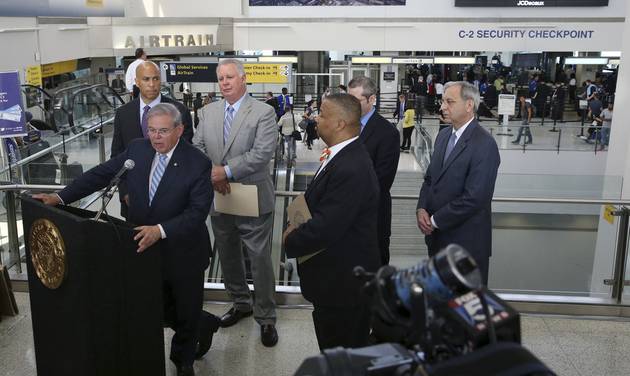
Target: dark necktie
(144,123)
(449,147)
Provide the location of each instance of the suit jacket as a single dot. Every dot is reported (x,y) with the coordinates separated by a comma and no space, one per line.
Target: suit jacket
(382,142)
(181,202)
(249,148)
(127,127)
(343,202)
(459,192)
(397,113)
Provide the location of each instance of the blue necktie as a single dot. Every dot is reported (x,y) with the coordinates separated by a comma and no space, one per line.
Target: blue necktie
(144,124)
(449,147)
(157,176)
(227,124)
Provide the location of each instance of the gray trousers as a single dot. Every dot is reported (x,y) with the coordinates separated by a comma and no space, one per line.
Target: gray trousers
(229,231)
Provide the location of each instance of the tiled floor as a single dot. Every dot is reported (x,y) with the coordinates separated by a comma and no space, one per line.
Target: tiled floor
(570,346)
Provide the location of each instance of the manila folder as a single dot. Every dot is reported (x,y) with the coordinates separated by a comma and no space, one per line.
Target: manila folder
(298,213)
(242,200)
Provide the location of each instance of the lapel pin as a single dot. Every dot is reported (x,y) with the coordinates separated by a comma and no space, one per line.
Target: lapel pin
(175,164)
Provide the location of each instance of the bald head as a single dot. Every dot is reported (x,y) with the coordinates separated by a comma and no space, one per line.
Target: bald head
(148,81)
(339,119)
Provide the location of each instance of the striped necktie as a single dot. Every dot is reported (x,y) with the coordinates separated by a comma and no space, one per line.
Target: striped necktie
(227,124)
(157,176)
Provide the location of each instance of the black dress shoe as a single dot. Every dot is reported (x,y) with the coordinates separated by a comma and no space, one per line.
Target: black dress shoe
(233,316)
(185,371)
(208,325)
(268,335)
(515,142)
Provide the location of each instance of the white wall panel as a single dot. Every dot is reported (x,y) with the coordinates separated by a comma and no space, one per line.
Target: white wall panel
(18,47)
(431,36)
(63,42)
(189,8)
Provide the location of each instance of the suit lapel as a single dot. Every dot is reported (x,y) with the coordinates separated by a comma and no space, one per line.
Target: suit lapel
(368,129)
(144,170)
(239,118)
(135,113)
(460,146)
(348,148)
(218,128)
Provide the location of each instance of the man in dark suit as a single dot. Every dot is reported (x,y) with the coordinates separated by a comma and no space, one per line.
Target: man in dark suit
(130,119)
(455,198)
(399,113)
(170,196)
(342,199)
(382,142)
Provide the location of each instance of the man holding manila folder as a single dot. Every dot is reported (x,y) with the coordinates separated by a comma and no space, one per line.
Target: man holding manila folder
(169,197)
(341,233)
(239,135)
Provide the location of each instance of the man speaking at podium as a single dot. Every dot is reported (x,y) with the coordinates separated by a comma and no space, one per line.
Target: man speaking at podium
(169,196)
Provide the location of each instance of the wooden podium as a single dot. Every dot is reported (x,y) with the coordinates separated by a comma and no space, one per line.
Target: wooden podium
(96,303)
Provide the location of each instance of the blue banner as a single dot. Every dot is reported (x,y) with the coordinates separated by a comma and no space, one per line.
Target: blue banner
(12,121)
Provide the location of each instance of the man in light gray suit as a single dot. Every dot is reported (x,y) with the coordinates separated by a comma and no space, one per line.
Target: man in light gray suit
(239,135)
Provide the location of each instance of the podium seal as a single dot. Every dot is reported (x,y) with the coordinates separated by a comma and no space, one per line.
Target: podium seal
(48,253)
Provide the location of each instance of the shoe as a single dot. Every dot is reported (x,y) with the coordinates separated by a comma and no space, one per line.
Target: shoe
(233,316)
(268,335)
(515,142)
(208,325)
(528,142)
(185,370)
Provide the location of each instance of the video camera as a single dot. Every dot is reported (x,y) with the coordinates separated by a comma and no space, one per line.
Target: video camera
(435,318)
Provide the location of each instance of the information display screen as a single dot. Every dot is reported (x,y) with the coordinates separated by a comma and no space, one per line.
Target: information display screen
(531,3)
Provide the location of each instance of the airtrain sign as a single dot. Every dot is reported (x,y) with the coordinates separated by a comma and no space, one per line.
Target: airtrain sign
(177,40)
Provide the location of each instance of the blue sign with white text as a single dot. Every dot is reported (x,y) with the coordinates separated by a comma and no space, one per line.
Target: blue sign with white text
(12,121)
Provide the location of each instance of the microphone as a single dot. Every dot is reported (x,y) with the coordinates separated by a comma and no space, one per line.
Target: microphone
(109,192)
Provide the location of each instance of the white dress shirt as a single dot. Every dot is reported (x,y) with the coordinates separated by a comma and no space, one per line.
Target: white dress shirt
(333,151)
(130,76)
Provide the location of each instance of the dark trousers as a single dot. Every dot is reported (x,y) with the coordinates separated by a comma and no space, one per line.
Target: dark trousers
(341,326)
(183,301)
(407,137)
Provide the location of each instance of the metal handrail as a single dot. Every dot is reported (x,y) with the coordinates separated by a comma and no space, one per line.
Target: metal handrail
(55,146)
(507,199)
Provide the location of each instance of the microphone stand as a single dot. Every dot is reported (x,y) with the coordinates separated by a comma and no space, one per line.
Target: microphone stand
(107,196)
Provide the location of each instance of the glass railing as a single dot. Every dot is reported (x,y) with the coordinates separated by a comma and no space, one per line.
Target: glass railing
(567,136)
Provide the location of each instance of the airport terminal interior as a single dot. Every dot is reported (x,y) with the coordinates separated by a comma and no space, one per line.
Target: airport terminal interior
(550,74)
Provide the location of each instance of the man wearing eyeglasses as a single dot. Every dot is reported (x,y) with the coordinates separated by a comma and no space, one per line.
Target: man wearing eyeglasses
(170,195)
(381,140)
(130,121)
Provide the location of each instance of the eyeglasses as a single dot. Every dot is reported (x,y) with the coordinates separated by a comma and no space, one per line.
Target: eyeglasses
(161,131)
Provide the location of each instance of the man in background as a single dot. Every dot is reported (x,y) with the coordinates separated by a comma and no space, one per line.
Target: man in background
(131,122)
(342,199)
(130,76)
(455,199)
(381,140)
(239,135)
